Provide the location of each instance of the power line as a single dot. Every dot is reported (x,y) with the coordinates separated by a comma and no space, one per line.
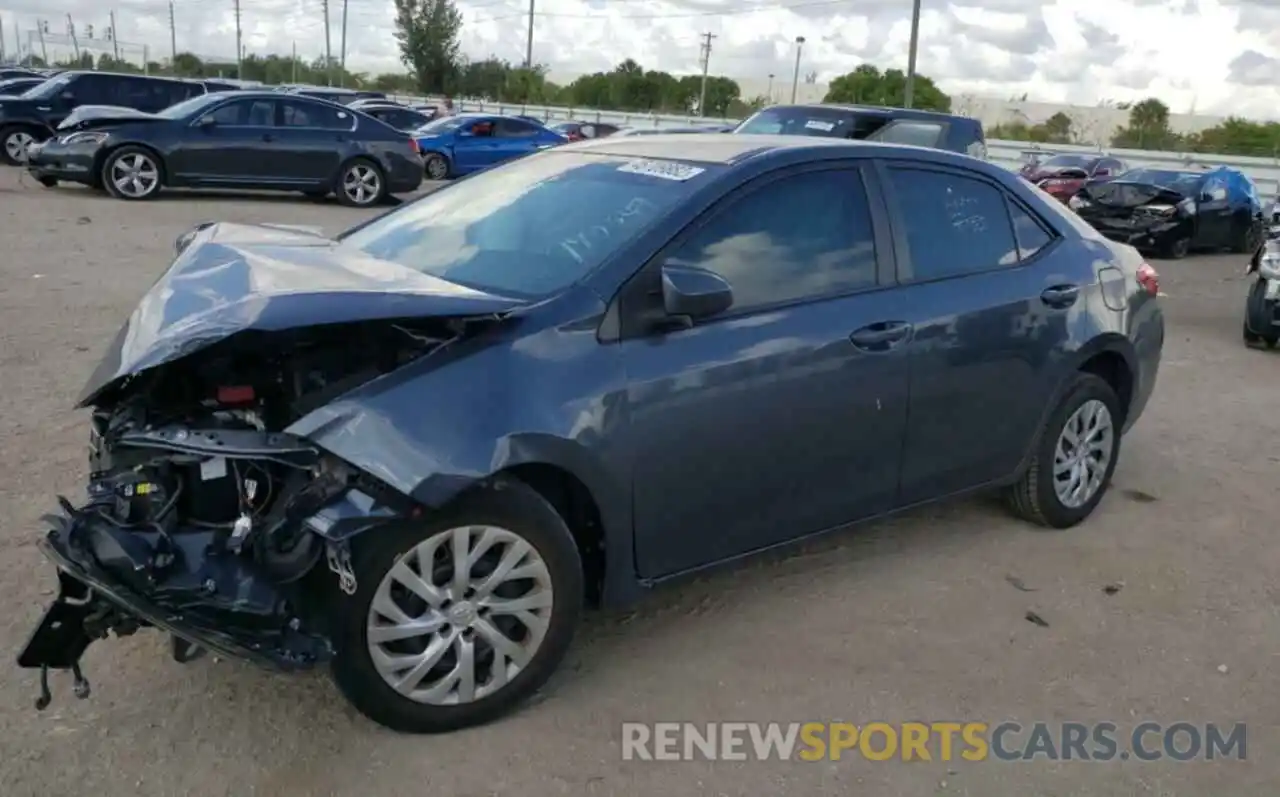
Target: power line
(688,15)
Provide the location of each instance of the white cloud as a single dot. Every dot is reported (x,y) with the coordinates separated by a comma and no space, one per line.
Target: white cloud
(1214,55)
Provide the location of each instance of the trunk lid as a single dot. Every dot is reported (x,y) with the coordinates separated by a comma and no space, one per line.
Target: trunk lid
(233,278)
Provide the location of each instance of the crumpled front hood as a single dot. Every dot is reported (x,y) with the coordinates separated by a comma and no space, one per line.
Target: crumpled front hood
(99,115)
(1123,194)
(233,278)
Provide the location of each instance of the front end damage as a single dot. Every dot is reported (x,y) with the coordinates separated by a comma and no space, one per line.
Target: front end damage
(203,518)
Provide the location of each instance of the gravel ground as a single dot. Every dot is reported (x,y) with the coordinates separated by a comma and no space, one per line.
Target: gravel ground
(916,618)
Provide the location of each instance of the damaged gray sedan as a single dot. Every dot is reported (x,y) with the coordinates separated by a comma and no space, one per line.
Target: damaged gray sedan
(415,452)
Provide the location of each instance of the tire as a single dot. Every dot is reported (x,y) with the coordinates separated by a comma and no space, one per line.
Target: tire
(1249,241)
(1177,249)
(435,166)
(1256,306)
(48,182)
(13,140)
(144,164)
(360,184)
(1035,497)
(504,506)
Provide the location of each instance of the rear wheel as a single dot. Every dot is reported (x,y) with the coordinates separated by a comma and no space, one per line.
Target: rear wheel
(1257,317)
(458,618)
(1249,240)
(1074,458)
(361,184)
(1177,249)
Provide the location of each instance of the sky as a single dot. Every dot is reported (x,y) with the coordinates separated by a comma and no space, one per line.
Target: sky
(1208,56)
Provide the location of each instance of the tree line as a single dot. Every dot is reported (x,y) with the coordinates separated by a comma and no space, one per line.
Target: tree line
(1148,128)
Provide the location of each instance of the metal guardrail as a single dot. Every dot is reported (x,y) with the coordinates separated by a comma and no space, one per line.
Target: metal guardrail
(1010,154)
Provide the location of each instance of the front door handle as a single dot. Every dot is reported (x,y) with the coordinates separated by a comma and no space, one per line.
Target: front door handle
(881,336)
(1060,295)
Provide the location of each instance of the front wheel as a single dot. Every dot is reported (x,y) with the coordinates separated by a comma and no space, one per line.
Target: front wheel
(14,142)
(1258,316)
(435,166)
(1074,458)
(361,184)
(1249,241)
(458,618)
(132,173)
(1177,249)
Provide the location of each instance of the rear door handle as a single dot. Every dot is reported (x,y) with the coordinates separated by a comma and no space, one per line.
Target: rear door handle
(881,336)
(1060,295)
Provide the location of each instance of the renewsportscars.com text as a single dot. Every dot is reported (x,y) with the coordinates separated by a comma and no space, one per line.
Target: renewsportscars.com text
(932,741)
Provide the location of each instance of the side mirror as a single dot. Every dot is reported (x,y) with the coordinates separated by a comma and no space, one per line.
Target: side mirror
(1102,173)
(67,97)
(691,293)
(206,122)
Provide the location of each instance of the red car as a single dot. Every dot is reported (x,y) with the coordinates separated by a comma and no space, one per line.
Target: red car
(1062,176)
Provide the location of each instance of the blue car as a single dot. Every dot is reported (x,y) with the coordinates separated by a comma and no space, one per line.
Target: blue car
(418,451)
(456,145)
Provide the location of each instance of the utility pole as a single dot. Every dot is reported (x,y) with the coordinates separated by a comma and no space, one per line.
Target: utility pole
(71,31)
(328,47)
(239,48)
(115,43)
(770,94)
(342,58)
(528,40)
(41,25)
(706,64)
(293,75)
(1,40)
(173,38)
(795,77)
(908,94)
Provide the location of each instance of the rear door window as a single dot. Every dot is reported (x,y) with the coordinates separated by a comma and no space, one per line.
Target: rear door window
(955,225)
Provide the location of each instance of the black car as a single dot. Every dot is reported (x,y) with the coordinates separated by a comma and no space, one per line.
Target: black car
(1175,211)
(871,123)
(336,94)
(9,73)
(415,451)
(394,114)
(241,139)
(12,87)
(35,115)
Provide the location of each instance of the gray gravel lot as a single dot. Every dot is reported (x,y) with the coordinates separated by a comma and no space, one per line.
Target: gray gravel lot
(908,619)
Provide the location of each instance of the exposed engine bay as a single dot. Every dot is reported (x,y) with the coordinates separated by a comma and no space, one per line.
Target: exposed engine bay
(204,519)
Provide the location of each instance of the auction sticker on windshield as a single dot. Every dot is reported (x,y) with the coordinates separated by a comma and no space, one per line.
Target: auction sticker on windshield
(666,170)
(818,124)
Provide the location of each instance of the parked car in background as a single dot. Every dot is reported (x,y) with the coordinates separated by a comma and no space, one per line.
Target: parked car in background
(8,73)
(398,116)
(535,120)
(456,145)
(537,389)
(1173,211)
(241,139)
(12,87)
(582,131)
(336,94)
(1262,304)
(33,116)
(1062,176)
(870,123)
(212,85)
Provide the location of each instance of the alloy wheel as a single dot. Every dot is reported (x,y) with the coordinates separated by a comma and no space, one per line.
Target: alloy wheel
(437,169)
(362,184)
(134,175)
(460,615)
(1083,454)
(16,143)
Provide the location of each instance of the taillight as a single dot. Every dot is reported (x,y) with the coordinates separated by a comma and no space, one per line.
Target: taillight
(413,145)
(235,394)
(1149,279)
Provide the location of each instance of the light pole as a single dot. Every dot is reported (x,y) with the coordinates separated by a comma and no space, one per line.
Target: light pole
(795,78)
(908,93)
(770,95)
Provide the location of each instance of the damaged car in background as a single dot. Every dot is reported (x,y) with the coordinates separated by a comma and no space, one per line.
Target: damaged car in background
(1062,176)
(1262,305)
(1175,211)
(416,451)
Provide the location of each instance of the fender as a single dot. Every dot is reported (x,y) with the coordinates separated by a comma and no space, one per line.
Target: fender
(1112,342)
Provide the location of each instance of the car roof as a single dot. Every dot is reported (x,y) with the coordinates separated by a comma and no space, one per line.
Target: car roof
(733,148)
(912,113)
(121,74)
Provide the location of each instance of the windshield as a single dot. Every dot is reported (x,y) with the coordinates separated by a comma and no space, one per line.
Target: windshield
(49,89)
(1165,178)
(829,122)
(445,123)
(532,227)
(188,107)
(1066,162)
